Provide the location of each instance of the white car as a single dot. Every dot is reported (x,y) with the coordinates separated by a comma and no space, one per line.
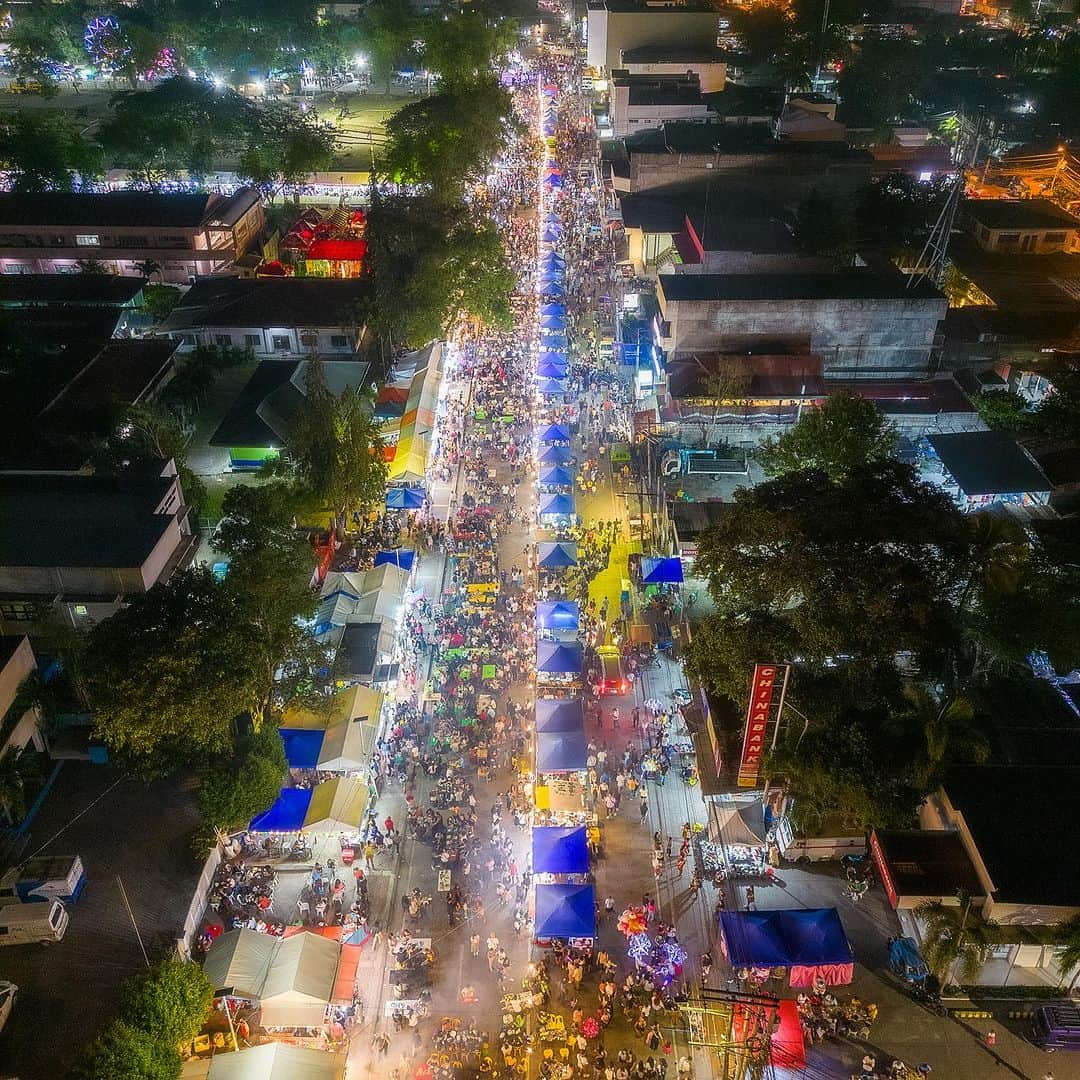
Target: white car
(8,990)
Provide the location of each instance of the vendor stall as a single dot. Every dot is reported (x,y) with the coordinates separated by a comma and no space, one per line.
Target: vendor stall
(556,556)
(737,844)
(558,661)
(556,455)
(565,751)
(810,943)
(565,911)
(299,982)
(557,615)
(405,498)
(274,1061)
(558,851)
(556,477)
(555,434)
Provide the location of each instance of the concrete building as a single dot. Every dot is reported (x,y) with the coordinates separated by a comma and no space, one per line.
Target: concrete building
(186,235)
(1022,226)
(638,102)
(617,26)
(286,318)
(670,61)
(17,663)
(80,544)
(736,159)
(864,324)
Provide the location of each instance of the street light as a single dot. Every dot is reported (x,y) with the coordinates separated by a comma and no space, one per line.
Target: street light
(361,60)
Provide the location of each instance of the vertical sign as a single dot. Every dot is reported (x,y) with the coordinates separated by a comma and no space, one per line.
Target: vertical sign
(766,688)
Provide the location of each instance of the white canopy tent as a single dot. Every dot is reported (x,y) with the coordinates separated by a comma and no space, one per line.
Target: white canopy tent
(347,747)
(737,823)
(277,1061)
(376,595)
(300,982)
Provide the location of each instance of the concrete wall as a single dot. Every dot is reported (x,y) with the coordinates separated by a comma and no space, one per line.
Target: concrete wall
(855,338)
(611,32)
(301,340)
(711,77)
(627,118)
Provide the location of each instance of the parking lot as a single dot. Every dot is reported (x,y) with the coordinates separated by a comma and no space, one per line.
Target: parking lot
(125,831)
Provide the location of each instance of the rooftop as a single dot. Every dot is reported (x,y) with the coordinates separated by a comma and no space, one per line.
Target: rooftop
(1020,214)
(120,208)
(928,863)
(671,54)
(52,519)
(651,6)
(103,290)
(269,302)
(925,397)
(1007,808)
(724,231)
(769,376)
(989,463)
(859,284)
(675,92)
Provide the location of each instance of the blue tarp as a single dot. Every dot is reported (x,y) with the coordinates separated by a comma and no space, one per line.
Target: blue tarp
(557,615)
(551,354)
(287,814)
(562,505)
(561,751)
(405,498)
(553,556)
(557,476)
(403,557)
(803,937)
(552,369)
(555,433)
(559,850)
(552,322)
(565,911)
(552,309)
(558,657)
(552,277)
(552,387)
(302,747)
(560,714)
(660,571)
(556,455)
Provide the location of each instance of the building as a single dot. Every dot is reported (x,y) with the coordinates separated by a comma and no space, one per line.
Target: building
(863,323)
(983,468)
(71,290)
(1022,226)
(810,118)
(287,318)
(917,407)
(187,236)
(735,160)
(638,102)
(80,544)
(668,61)
(618,26)
(18,728)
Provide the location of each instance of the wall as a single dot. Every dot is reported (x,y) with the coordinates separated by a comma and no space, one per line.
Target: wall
(627,118)
(299,344)
(711,77)
(612,32)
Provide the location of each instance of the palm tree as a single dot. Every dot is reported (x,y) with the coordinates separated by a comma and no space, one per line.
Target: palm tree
(955,942)
(148,268)
(947,726)
(1067,937)
(999,551)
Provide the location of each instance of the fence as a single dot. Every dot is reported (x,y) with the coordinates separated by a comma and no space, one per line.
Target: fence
(198,902)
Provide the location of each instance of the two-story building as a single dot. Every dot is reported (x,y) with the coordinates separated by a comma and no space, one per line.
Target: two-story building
(638,102)
(283,318)
(76,545)
(186,236)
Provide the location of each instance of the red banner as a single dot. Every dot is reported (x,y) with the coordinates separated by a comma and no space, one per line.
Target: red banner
(757,722)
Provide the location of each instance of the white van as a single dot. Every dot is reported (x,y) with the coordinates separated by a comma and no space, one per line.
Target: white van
(27,924)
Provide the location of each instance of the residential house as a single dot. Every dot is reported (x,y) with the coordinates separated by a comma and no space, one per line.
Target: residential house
(1022,226)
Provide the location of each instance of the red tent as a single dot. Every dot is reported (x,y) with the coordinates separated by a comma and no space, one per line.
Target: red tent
(338,250)
(271,269)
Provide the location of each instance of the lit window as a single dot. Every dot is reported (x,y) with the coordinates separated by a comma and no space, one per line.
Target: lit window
(87,240)
(80,609)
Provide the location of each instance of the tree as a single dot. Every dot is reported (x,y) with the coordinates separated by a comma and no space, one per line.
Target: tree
(824,227)
(464,45)
(1058,414)
(949,732)
(1067,938)
(897,209)
(285,147)
(239,785)
(123,1052)
(46,151)
(956,942)
(196,373)
(877,84)
(389,28)
(168,674)
(765,30)
(846,434)
(42,42)
(1003,410)
(159,300)
(171,1003)
(256,519)
(148,268)
(447,140)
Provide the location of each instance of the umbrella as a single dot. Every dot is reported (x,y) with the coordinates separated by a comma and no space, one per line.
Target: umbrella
(557,476)
(558,615)
(554,433)
(561,505)
(405,498)
(560,850)
(556,455)
(565,911)
(556,555)
(559,657)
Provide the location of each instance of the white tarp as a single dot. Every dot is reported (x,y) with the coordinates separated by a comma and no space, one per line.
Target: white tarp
(300,981)
(376,595)
(240,960)
(737,823)
(278,1061)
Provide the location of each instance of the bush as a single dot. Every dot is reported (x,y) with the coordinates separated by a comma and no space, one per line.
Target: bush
(123,1052)
(172,1002)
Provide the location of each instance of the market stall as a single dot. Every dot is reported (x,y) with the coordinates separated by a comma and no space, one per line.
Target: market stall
(555,434)
(564,911)
(558,662)
(564,751)
(405,498)
(558,616)
(556,556)
(272,1061)
(299,982)
(555,455)
(809,942)
(560,850)
(736,844)
(556,477)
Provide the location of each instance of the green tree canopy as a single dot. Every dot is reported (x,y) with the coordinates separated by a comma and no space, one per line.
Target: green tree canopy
(846,434)
(123,1052)
(823,226)
(465,45)
(239,785)
(168,674)
(1003,410)
(284,147)
(172,1002)
(46,151)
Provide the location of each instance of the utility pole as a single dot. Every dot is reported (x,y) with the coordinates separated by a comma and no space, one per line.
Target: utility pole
(131,916)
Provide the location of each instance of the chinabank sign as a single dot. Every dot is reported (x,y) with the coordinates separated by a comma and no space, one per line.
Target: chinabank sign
(766,691)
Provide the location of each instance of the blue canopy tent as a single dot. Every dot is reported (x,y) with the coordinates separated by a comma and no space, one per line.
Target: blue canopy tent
(557,555)
(553,258)
(560,715)
(798,938)
(661,571)
(565,911)
(555,433)
(552,309)
(302,746)
(552,369)
(560,850)
(552,387)
(553,339)
(550,279)
(557,505)
(559,657)
(551,354)
(288,812)
(554,289)
(405,498)
(402,557)
(561,751)
(552,233)
(558,615)
(552,322)
(556,455)
(557,476)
